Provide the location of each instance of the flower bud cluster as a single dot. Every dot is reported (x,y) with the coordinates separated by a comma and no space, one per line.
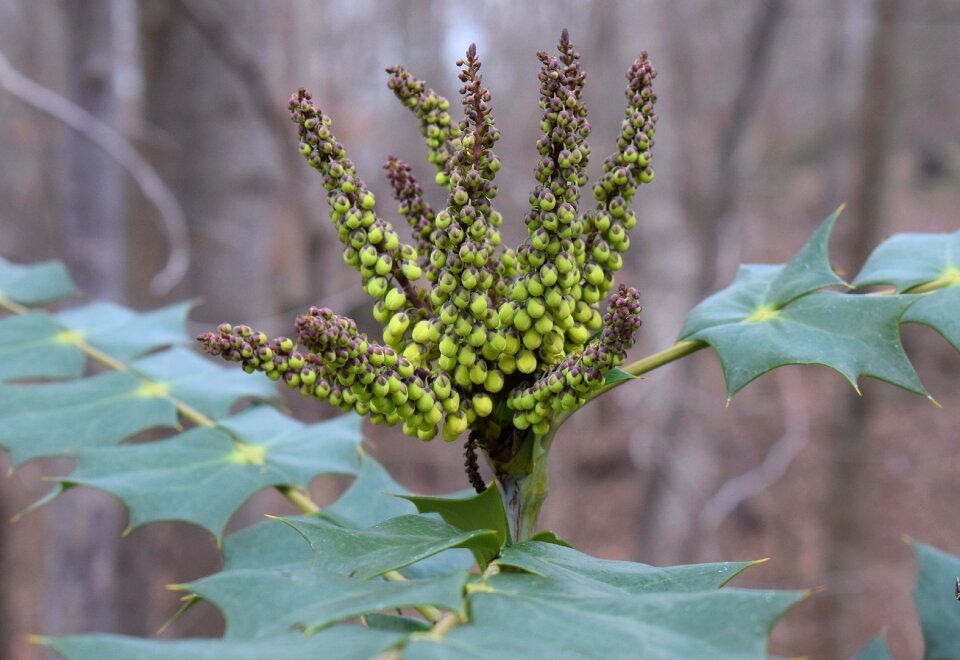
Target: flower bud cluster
(372,246)
(607,238)
(566,385)
(500,340)
(431,109)
(544,303)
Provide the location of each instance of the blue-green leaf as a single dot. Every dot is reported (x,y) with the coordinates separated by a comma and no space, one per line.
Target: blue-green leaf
(34,284)
(526,616)
(265,603)
(909,260)
(219,472)
(59,419)
(336,643)
(576,568)
(854,335)
(875,650)
(937,606)
(387,546)
(202,384)
(484,511)
(33,347)
(124,334)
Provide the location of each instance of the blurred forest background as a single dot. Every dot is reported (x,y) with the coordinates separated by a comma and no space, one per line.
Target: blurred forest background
(134,132)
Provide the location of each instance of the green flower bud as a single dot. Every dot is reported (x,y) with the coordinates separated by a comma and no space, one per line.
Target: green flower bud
(526,362)
(482,405)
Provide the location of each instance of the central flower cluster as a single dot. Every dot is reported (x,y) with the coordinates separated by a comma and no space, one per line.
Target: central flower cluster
(496,339)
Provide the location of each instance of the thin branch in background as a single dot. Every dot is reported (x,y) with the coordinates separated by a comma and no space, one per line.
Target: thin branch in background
(211,22)
(117,147)
(775,464)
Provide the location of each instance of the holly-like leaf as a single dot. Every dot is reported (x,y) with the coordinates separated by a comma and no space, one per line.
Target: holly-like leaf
(124,334)
(202,384)
(555,561)
(266,603)
(269,544)
(935,598)
(387,546)
(526,616)
(909,260)
(772,316)
(875,650)
(854,335)
(941,311)
(59,419)
(218,471)
(479,512)
(32,348)
(345,642)
(34,284)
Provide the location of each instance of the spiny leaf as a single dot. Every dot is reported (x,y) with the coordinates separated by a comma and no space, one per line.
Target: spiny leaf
(34,284)
(484,511)
(338,642)
(268,544)
(525,616)
(909,260)
(808,271)
(392,544)
(218,472)
(935,598)
(32,348)
(555,561)
(855,335)
(267,602)
(58,419)
(205,386)
(941,311)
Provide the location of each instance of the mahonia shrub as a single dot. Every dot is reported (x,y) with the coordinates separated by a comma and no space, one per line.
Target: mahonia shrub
(494,345)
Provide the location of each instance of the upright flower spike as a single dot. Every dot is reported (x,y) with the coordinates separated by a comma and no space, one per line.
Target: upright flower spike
(607,239)
(544,298)
(502,340)
(372,246)
(465,235)
(430,108)
(414,208)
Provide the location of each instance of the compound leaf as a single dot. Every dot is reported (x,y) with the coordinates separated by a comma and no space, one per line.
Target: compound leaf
(34,284)
(218,471)
(854,335)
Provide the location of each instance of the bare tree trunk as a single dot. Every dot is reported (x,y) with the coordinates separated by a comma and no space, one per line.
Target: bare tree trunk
(708,208)
(217,152)
(848,509)
(86,527)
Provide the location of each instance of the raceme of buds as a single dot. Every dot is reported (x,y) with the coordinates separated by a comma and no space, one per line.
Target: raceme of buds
(496,340)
